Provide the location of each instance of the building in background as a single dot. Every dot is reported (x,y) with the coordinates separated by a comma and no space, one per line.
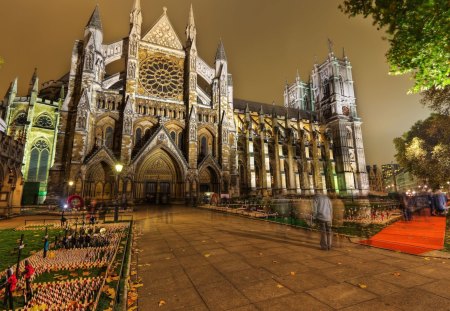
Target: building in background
(390,172)
(171,120)
(375,178)
(408,182)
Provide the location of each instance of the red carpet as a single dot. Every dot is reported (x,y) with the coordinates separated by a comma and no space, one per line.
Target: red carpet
(421,235)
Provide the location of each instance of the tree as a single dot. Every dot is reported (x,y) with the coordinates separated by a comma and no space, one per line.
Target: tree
(419,35)
(425,150)
(1,62)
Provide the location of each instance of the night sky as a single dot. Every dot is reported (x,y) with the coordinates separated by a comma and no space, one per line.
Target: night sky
(266,41)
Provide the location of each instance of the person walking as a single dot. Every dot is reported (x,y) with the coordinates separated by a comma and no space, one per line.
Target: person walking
(323,214)
(10,287)
(440,202)
(29,273)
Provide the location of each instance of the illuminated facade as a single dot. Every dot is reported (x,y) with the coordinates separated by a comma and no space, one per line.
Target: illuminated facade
(171,119)
(34,120)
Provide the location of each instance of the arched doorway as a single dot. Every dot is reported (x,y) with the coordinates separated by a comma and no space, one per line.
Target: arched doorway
(100,180)
(159,178)
(208,180)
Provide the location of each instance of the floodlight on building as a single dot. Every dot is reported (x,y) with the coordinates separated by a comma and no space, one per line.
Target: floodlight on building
(71,183)
(118,167)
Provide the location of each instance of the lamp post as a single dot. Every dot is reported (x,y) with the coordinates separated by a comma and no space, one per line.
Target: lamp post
(118,168)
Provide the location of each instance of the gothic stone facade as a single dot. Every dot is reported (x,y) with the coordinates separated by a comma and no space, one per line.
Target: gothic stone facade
(171,119)
(11,181)
(33,120)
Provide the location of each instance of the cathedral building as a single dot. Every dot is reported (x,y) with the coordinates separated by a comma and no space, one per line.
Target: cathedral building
(170,118)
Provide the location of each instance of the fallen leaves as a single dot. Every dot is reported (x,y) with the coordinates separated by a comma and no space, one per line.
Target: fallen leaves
(280,286)
(361,285)
(207,255)
(161,303)
(292,273)
(396,274)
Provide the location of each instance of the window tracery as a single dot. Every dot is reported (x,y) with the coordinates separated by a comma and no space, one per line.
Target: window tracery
(162,77)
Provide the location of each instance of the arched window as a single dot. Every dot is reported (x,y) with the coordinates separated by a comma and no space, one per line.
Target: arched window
(203,146)
(39,158)
(173,135)
(181,140)
(341,85)
(109,137)
(44,121)
(138,136)
(21,119)
(326,88)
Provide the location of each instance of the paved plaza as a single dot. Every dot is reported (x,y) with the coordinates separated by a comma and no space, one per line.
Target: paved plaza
(195,259)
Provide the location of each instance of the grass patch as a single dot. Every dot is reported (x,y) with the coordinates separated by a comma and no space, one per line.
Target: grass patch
(106,302)
(33,239)
(357,229)
(290,221)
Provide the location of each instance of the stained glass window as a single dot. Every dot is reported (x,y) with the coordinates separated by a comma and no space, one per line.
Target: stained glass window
(39,158)
(44,121)
(162,77)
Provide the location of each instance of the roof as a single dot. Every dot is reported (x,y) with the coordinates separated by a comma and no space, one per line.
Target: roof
(94,21)
(241,104)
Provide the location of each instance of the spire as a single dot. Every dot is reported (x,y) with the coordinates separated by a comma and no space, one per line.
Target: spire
(191,31)
(261,111)
(14,86)
(136,6)
(330,46)
(33,80)
(247,110)
(94,21)
(297,77)
(344,55)
(220,54)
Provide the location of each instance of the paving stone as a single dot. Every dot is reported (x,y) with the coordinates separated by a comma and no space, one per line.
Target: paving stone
(374,285)
(440,288)
(341,295)
(371,305)
(293,302)
(403,278)
(301,282)
(243,277)
(263,290)
(222,296)
(417,299)
(204,275)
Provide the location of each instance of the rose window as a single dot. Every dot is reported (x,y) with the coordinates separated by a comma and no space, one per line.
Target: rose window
(162,77)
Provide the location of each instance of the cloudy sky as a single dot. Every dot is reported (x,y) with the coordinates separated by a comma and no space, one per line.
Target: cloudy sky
(266,41)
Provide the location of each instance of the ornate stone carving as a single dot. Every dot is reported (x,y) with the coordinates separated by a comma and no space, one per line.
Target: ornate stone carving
(162,76)
(163,34)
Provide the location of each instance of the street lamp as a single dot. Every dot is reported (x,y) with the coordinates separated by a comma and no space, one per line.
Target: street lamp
(119,168)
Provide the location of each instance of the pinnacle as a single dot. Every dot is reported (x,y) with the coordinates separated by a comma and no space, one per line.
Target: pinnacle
(220,54)
(95,21)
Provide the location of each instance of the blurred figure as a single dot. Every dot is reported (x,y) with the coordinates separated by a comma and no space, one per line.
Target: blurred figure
(323,214)
(440,202)
(432,203)
(408,206)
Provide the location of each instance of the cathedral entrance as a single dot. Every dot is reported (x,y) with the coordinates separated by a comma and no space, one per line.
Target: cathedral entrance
(157,192)
(159,179)
(209,182)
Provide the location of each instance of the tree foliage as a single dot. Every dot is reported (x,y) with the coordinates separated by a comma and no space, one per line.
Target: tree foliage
(419,35)
(425,150)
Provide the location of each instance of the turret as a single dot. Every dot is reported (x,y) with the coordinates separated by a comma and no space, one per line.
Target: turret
(32,82)
(136,20)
